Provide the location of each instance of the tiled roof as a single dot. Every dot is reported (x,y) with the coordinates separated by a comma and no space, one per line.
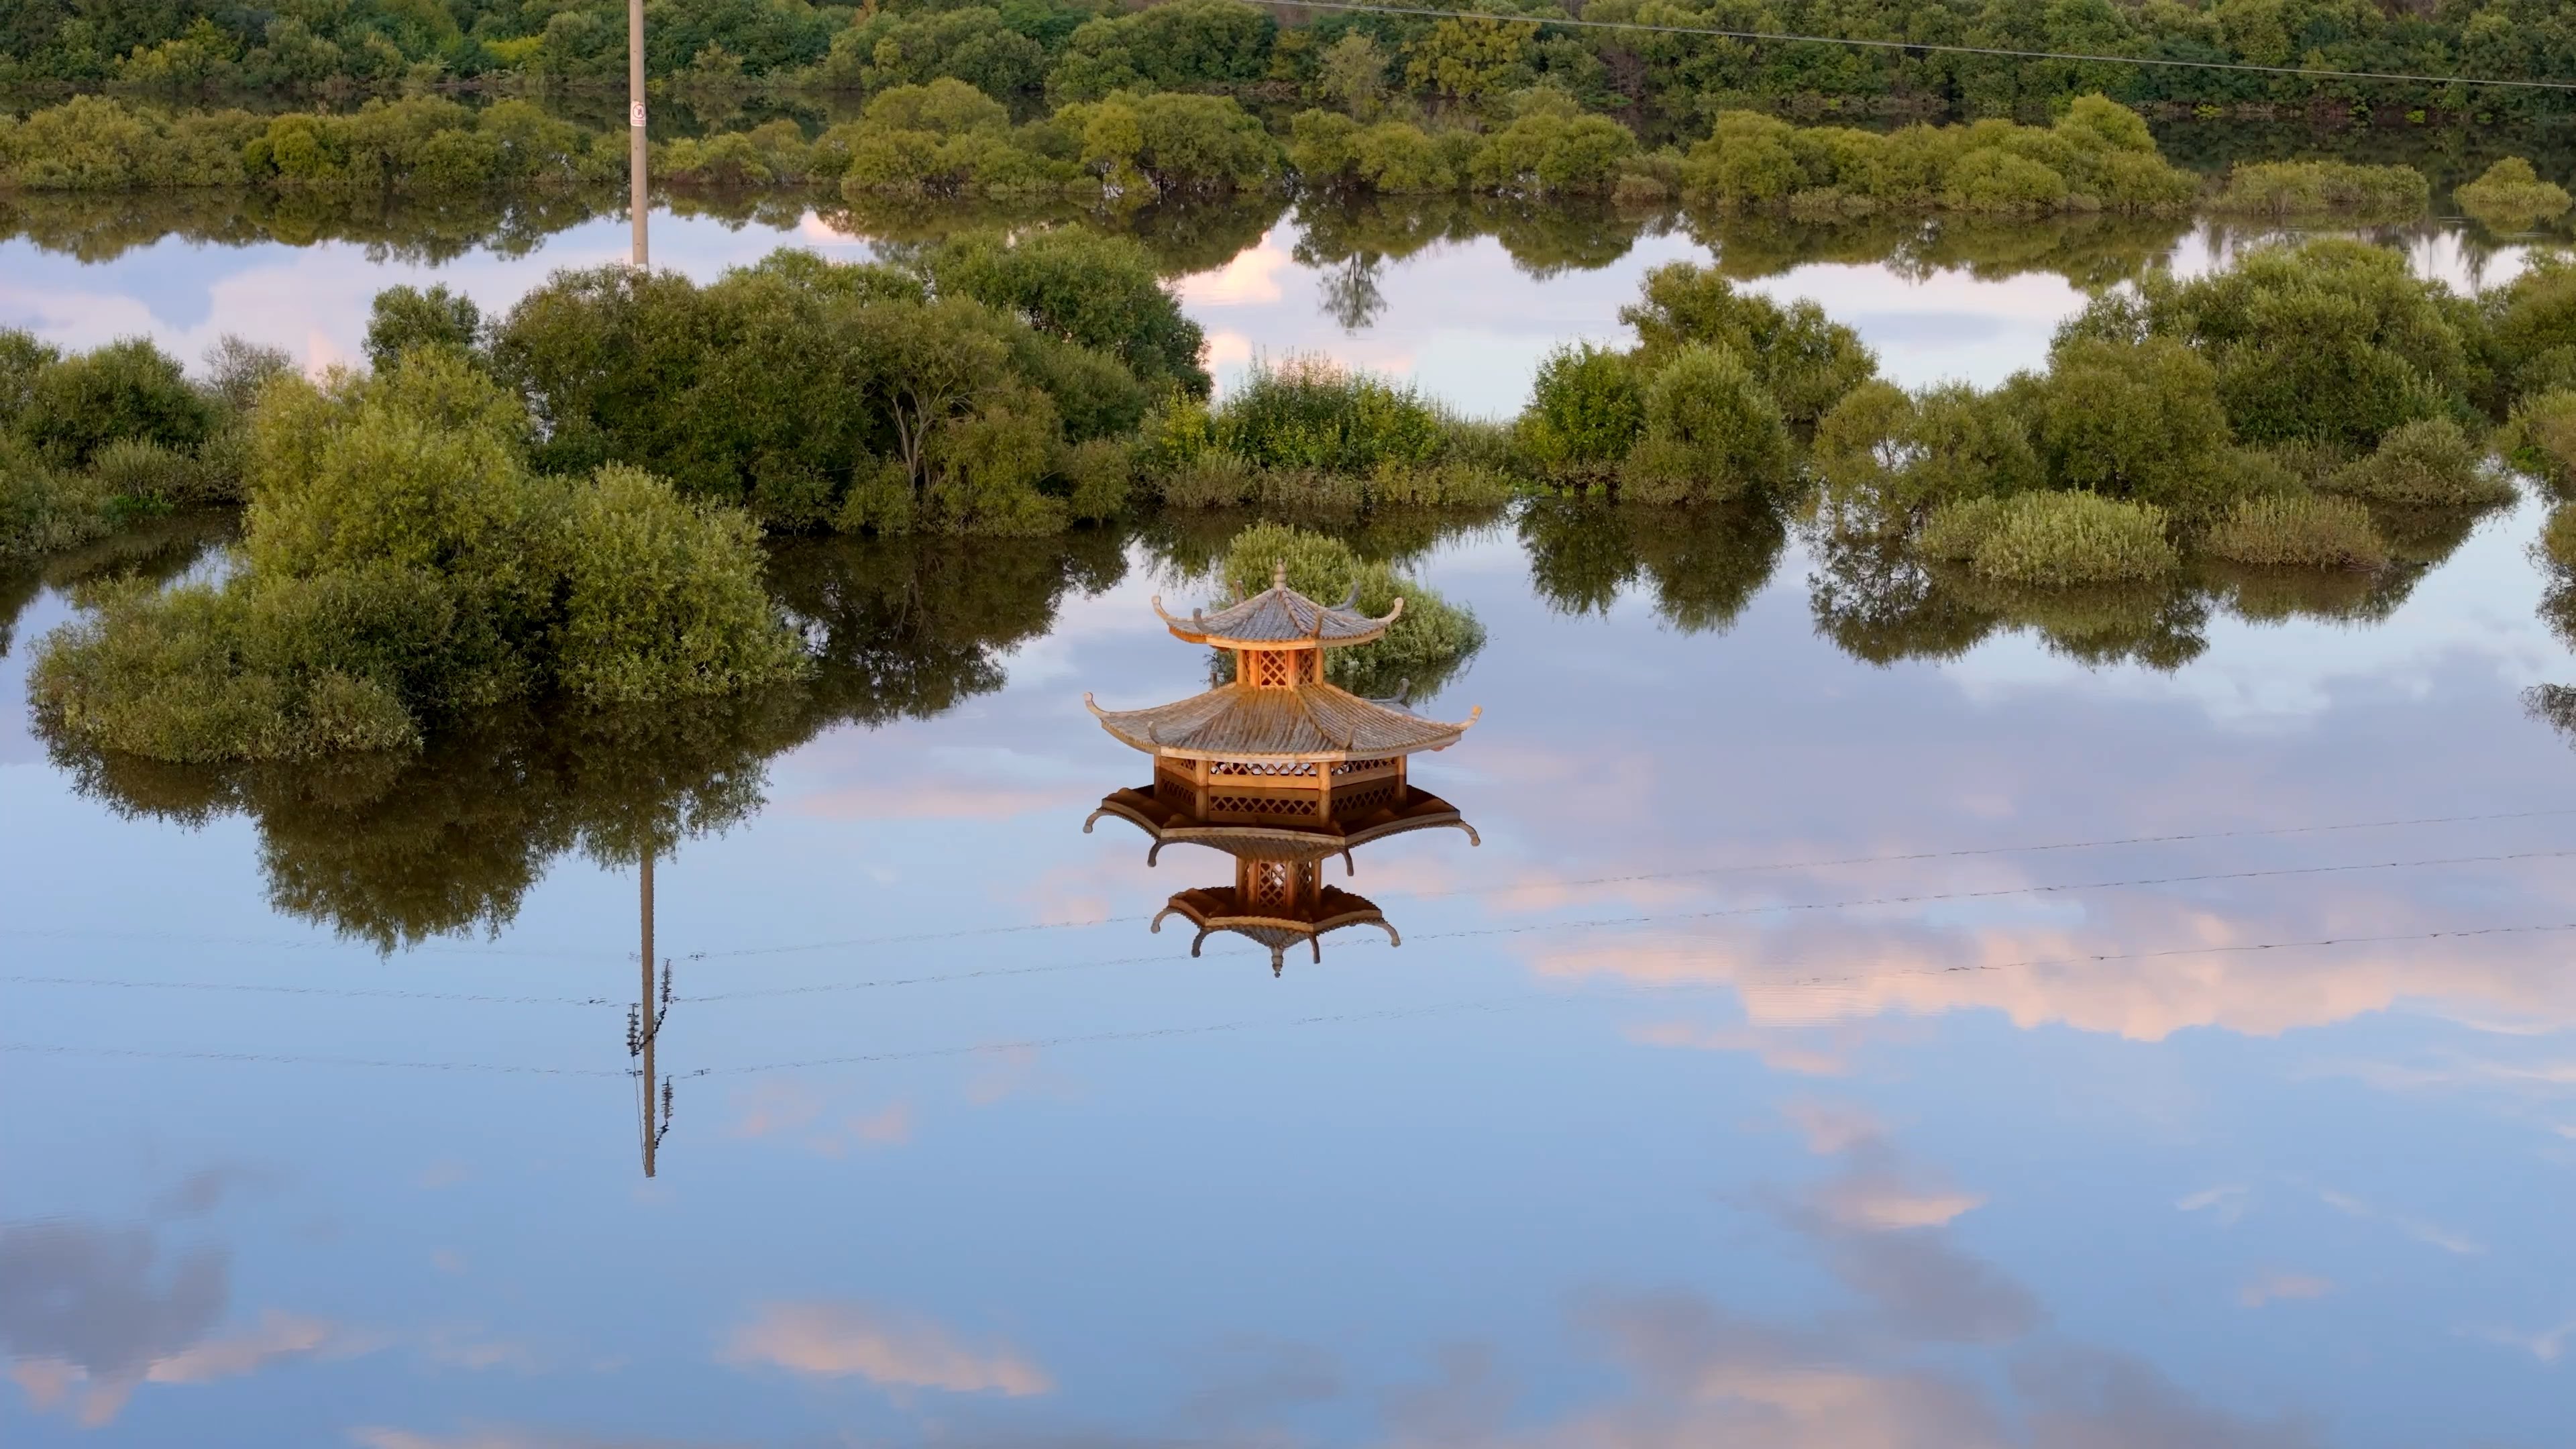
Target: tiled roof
(1281,615)
(1305,722)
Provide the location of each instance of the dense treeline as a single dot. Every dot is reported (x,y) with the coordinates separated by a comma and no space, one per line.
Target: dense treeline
(1057,50)
(946,140)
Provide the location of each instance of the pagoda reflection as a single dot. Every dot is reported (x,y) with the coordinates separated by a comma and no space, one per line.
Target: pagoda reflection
(1280,769)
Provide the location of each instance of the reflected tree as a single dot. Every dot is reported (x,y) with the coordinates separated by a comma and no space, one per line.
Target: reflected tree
(394,850)
(1702,565)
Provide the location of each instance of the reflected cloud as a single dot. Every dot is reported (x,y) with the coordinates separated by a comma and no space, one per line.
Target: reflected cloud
(792,1110)
(2413,1227)
(88,1317)
(2090,1399)
(508,1438)
(1880,1226)
(2545,1346)
(2274,1287)
(840,1340)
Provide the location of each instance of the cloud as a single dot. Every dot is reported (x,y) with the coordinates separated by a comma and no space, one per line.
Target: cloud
(1250,278)
(2273,1287)
(1880,1226)
(2413,1227)
(277,1337)
(376,1437)
(790,1109)
(1705,1377)
(836,1340)
(1254,1378)
(1832,1127)
(92,1306)
(205,1189)
(2091,1399)
(2545,1346)
(1778,1054)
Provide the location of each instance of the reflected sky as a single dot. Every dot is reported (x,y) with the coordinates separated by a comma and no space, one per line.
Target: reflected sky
(1757,1080)
(1466,319)
(1987,1050)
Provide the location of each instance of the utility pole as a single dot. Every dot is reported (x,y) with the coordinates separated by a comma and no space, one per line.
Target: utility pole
(635,148)
(644,1026)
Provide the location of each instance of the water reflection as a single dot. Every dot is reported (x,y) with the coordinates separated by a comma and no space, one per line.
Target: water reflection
(1280,769)
(1880,603)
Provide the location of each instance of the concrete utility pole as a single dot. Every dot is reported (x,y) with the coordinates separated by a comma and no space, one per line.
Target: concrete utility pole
(635,130)
(651,1022)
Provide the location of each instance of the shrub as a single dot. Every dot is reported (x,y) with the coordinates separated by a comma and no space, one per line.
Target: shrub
(1886,458)
(2332,342)
(1803,359)
(400,565)
(404,317)
(2511,196)
(2533,324)
(2130,420)
(142,470)
(1424,648)
(2290,188)
(2053,539)
(2428,464)
(790,385)
(128,389)
(1711,432)
(2558,536)
(1102,472)
(2302,529)
(22,358)
(2540,439)
(44,509)
(1208,480)
(1584,414)
(662,597)
(1090,288)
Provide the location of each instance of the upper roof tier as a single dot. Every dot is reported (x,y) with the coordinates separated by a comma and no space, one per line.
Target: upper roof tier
(1282,618)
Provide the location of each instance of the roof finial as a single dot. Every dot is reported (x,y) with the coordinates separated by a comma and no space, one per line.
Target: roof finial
(1279,574)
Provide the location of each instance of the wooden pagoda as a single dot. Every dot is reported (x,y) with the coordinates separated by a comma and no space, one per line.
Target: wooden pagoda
(1280,769)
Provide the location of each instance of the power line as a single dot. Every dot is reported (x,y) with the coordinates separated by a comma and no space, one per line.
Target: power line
(1522,928)
(916,938)
(1739,985)
(1744,869)
(383,993)
(1922,45)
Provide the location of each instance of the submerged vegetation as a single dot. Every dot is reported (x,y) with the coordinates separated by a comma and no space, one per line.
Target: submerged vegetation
(401,564)
(565,502)
(1429,642)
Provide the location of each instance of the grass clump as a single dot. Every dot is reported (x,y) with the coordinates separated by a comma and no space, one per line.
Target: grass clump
(2426,464)
(2052,539)
(2299,529)
(1423,649)
(2511,196)
(402,564)
(2297,188)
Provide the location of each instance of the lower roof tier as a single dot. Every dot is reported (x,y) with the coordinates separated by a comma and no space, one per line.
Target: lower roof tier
(1304,722)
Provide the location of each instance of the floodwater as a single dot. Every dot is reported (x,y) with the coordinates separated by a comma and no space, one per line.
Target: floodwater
(1864,1016)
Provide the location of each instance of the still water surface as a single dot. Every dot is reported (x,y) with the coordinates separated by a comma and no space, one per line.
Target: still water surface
(1985,1047)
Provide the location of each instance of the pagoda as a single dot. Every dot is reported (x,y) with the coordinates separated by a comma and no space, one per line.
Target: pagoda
(1280,769)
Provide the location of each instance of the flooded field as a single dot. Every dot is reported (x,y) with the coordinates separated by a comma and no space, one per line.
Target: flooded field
(1863,1014)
